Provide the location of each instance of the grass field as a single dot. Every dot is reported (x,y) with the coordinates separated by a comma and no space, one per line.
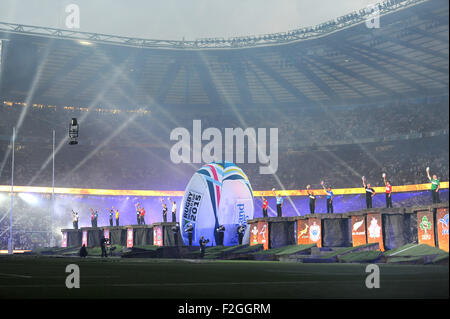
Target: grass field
(44,277)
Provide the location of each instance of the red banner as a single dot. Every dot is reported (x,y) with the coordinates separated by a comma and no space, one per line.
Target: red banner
(84,238)
(129,237)
(302,232)
(315,231)
(64,240)
(157,236)
(375,230)
(425,228)
(359,235)
(263,234)
(442,228)
(253,234)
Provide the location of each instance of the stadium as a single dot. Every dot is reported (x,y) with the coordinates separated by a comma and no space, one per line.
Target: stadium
(325,114)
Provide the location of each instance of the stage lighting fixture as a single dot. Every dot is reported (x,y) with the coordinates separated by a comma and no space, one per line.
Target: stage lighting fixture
(73,132)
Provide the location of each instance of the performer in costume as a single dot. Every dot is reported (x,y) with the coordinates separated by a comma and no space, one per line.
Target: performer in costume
(142,216)
(265,206)
(92,217)
(138,213)
(330,197)
(117,217)
(370,193)
(164,210)
(111,217)
(435,186)
(388,191)
(174,211)
(279,203)
(312,199)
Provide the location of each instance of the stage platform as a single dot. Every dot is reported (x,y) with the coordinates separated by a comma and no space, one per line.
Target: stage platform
(158,234)
(390,228)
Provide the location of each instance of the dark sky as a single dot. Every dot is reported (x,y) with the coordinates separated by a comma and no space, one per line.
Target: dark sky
(175,19)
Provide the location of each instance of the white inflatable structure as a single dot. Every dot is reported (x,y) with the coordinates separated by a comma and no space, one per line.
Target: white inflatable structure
(217,194)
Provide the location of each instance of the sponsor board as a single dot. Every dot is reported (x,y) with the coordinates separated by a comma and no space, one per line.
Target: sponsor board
(129,237)
(302,232)
(263,234)
(442,228)
(315,231)
(106,233)
(375,230)
(157,235)
(425,228)
(253,234)
(359,235)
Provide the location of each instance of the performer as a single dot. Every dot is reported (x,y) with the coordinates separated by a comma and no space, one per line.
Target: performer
(189,231)
(96,218)
(388,192)
(312,199)
(202,242)
(279,203)
(142,216)
(265,206)
(111,217)
(164,210)
(138,213)
(370,193)
(175,235)
(221,232)
(117,217)
(75,219)
(435,186)
(174,211)
(103,242)
(92,217)
(330,197)
(240,231)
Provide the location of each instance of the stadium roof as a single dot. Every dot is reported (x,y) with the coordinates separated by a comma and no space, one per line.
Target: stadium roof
(338,62)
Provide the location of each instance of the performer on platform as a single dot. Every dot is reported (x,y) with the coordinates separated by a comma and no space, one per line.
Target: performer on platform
(96,218)
(111,217)
(142,216)
(388,191)
(164,210)
(370,193)
(75,219)
(265,206)
(117,217)
(435,186)
(138,213)
(279,203)
(189,231)
(330,197)
(174,211)
(92,217)
(240,231)
(221,232)
(312,199)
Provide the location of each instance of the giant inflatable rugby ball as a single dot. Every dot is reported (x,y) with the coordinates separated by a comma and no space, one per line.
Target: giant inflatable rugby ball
(218,193)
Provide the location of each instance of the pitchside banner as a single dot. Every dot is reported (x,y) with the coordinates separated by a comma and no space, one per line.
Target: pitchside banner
(84,240)
(375,230)
(302,232)
(253,234)
(425,228)
(315,231)
(359,236)
(129,237)
(106,233)
(64,239)
(158,235)
(442,228)
(263,234)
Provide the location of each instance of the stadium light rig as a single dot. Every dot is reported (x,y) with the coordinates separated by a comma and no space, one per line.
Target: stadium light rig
(73,132)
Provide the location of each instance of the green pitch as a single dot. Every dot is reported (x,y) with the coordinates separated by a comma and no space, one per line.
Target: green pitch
(44,277)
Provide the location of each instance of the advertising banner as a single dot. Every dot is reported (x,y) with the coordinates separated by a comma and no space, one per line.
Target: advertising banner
(315,231)
(359,235)
(106,233)
(442,228)
(129,237)
(263,234)
(375,229)
(302,232)
(158,235)
(425,228)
